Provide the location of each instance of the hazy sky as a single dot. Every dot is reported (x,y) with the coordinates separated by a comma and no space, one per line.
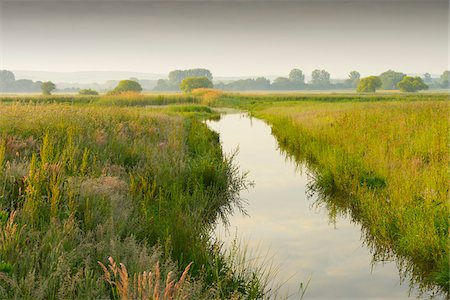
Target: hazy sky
(250,37)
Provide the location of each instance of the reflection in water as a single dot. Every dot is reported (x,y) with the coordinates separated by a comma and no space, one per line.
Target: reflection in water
(306,243)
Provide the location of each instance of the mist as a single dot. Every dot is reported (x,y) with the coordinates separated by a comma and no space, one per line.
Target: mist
(231,38)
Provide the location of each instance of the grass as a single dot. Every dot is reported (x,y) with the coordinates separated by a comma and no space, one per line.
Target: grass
(382,159)
(83,182)
(124,99)
(141,179)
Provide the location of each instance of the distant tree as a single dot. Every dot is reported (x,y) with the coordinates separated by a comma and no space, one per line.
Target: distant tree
(427,78)
(262,83)
(282,83)
(88,92)
(6,80)
(411,84)
(369,84)
(47,87)
(127,86)
(353,79)
(25,86)
(390,79)
(320,79)
(177,76)
(134,79)
(445,83)
(165,85)
(190,83)
(7,76)
(297,75)
(259,83)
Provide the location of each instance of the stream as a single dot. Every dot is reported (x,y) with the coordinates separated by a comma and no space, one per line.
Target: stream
(303,242)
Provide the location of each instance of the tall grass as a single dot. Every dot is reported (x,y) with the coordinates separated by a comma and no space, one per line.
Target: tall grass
(123,99)
(81,183)
(390,161)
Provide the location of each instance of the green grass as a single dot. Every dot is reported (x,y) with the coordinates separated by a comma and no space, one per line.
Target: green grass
(382,159)
(124,99)
(81,183)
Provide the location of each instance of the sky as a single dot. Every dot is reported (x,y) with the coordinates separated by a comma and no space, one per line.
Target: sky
(231,38)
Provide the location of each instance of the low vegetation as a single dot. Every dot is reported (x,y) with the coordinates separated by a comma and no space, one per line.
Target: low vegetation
(384,163)
(105,201)
(104,196)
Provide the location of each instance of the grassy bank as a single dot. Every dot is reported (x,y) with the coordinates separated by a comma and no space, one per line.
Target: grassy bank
(82,183)
(384,162)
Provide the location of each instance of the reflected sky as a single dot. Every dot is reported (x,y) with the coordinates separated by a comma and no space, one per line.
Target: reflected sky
(300,236)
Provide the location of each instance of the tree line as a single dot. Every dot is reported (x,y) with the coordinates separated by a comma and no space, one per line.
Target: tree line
(320,80)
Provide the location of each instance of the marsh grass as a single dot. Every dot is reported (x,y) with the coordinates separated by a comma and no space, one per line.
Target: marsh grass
(81,183)
(388,162)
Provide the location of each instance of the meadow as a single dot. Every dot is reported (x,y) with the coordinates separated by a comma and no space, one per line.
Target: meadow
(383,159)
(116,196)
(110,201)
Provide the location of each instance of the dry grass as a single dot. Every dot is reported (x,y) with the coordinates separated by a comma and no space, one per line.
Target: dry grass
(144,285)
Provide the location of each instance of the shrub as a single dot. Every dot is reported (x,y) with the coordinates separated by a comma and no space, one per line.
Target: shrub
(88,92)
(190,83)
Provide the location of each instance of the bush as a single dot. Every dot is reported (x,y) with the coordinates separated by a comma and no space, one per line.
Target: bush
(127,86)
(369,84)
(411,84)
(88,92)
(190,83)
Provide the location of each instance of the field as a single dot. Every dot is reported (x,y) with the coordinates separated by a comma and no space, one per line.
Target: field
(86,188)
(382,159)
(140,179)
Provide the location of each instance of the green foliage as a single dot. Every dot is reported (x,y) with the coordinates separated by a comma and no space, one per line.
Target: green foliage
(320,79)
(411,84)
(83,182)
(88,92)
(258,84)
(353,79)
(127,86)
(47,87)
(6,76)
(385,163)
(177,76)
(445,83)
(297,76)
(190,83)
(369,84)
(390,79)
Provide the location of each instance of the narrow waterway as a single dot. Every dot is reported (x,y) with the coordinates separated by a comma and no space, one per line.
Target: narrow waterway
(303,243)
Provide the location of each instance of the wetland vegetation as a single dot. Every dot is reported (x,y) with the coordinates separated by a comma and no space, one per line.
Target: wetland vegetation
(140,179)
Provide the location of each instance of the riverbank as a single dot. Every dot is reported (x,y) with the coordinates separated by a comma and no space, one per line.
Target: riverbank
(385,159)
(82,183)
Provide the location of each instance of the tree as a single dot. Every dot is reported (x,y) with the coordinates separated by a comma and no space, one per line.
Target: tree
(127,86)
(297,76)
(281,83)
(88,92)
(353,79)
(177,76)
(320,79)
(369,84)
(7,76)
(390,79)
(411,84)
(259,83)
(445,83)
(47,87)
(427,78)
(190,83)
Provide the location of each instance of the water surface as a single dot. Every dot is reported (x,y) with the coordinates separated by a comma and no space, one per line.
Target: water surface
(303,241)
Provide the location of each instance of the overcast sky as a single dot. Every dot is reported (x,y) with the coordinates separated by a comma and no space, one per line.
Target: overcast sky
(250,37)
